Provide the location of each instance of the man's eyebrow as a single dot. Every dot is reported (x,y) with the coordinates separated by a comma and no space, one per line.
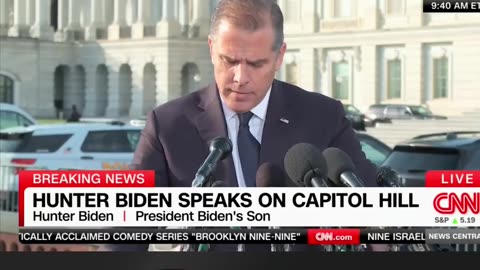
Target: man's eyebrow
(228,58)
(257,62)
(231,59)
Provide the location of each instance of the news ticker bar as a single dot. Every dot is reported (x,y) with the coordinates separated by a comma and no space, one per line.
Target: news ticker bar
(250,236)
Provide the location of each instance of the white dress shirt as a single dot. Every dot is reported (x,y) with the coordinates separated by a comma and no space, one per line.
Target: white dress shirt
(256,128)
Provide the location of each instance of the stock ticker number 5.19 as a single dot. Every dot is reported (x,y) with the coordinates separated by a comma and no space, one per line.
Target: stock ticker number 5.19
(467,220)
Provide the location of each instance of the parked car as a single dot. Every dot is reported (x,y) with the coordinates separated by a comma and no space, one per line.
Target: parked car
(381,113)
(62,147)
(13,116)
(70,146)
(375,150)
(443,151)
(140,121)
(358,119)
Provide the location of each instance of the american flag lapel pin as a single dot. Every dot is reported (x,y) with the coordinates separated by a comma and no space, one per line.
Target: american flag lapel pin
(286,121)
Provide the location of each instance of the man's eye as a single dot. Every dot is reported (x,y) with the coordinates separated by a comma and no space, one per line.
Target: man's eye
(229,62)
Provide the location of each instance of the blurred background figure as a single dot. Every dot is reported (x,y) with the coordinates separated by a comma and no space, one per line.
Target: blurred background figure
(75,115)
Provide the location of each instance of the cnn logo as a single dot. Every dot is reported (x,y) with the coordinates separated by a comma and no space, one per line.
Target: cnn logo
(449,203)
(324,237)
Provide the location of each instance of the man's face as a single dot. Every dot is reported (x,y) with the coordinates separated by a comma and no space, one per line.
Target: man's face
(244,64)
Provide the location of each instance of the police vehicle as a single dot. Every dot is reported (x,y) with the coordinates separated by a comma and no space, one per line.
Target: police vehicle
(76,146)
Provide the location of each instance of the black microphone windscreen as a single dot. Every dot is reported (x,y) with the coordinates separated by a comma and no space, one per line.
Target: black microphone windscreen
(338,162)
(218,184)
(386,176)
(303,158)
(224,145)
(269,175)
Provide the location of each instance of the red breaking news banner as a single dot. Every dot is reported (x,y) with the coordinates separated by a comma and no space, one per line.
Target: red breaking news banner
(79,179)
(459,179)
(465,203)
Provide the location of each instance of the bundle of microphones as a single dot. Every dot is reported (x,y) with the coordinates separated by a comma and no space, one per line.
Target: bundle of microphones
(305,165)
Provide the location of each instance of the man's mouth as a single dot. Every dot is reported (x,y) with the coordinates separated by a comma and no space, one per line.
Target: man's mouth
(239,92)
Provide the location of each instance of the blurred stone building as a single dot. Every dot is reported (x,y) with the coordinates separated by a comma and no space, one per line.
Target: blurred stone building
(119,58)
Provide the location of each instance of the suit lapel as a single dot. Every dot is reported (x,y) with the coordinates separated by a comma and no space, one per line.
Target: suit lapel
(210,123)
(279,127)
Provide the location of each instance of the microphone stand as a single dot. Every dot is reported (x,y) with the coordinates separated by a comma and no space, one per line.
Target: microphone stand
(198,182)
(279,247)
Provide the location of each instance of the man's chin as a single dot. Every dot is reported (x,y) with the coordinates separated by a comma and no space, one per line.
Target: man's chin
(239,106)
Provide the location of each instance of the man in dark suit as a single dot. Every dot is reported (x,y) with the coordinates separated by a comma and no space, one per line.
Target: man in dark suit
(263,117)
(176,137)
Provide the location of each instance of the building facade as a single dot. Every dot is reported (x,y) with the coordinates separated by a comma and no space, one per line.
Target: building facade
(117,58)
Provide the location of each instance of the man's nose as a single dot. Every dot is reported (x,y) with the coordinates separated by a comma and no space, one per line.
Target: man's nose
(241,75)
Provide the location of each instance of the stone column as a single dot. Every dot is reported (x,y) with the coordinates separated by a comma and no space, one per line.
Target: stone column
(18,18)
(414,88)
(73,26)
(144,18)
(114,30)
(30,12)
(183,17)
(4,20)
(44,106)
(168,26)
(310,20)
(307,68)
(90,92)
(95,20)
(156,11)
(161,82)
(42,29)
(62,20)
(372,20)
(366,76)
(136,108)
(201,19)
(73,14)
(73,92)
(415,15)
(107,11)
(113,107)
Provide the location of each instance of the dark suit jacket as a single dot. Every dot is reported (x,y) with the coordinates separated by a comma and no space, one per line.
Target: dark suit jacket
(177,134)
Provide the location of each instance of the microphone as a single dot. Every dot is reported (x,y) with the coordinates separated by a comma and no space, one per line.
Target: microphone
(341,168)
(218,184)
(220,148)
(269,175)
(387,177)
(306,166)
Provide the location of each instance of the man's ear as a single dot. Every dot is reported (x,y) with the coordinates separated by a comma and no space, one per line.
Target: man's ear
(210,46)
(280,55)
